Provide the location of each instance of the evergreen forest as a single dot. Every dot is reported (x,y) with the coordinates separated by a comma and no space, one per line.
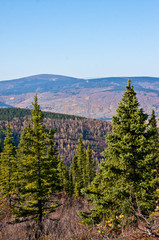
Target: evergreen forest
(96,192)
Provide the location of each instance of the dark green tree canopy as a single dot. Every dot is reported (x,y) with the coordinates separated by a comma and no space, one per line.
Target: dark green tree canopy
(83,168)
(120,185)
(8,167)
(37,169)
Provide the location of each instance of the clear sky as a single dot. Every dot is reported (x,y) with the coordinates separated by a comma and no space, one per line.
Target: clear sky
(79,38)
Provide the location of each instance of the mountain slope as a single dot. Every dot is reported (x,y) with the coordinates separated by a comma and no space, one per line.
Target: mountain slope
(68,130)
(94,98)
(37,83)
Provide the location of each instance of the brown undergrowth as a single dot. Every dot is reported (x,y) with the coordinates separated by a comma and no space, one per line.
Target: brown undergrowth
(64,224)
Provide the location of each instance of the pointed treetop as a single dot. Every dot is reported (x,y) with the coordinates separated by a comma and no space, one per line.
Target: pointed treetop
(152,121)
(153,116)
(129,83)
(36,96)
(35,103)
(153,112)
(7,131)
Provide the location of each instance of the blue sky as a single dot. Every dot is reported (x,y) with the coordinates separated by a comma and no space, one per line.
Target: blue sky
(79,38)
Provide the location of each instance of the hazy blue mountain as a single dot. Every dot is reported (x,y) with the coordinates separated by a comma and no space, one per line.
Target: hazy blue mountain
(38,83)
(50,82)
(95,98)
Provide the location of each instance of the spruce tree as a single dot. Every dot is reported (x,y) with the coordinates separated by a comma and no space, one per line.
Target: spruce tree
(63,174)
(0,148)
(75,176)
(152,159)
(81,156)
(82,168)
(120,186)
(90,169)
(37,170)
(78,169)
(71,185)
(8,167)
(81,162)
(52,162)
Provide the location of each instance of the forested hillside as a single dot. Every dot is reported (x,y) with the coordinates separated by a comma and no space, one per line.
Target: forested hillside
(43,197)
(68,130)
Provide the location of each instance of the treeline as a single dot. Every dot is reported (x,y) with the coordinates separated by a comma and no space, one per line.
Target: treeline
(9,114)
(123,190)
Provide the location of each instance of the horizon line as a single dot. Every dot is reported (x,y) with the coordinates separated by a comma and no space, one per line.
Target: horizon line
(88,78)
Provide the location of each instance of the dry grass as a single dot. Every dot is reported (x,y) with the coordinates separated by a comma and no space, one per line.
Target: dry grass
(67,226)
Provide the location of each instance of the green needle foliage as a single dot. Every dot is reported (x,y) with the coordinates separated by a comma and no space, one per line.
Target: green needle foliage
(52,163)
(125,183)
(63,173)
(75,177)
(37,170)
(153,157)
(90,169)
(0,148)
(8,168)
(82,168)
(78,169)
(81,162)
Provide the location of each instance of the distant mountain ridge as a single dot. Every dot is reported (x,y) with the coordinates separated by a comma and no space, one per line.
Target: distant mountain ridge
(39,83)
(51,82)
(94,98)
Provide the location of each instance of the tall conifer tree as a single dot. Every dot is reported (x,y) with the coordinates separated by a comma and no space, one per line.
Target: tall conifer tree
(0,148)
(78,169)
(90,169)
(71,184)
(152,167)
(75,176)
(81,161)
(82,168)
(63,174)
(120,185)
(37,169)
(8,167)
(52,162)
